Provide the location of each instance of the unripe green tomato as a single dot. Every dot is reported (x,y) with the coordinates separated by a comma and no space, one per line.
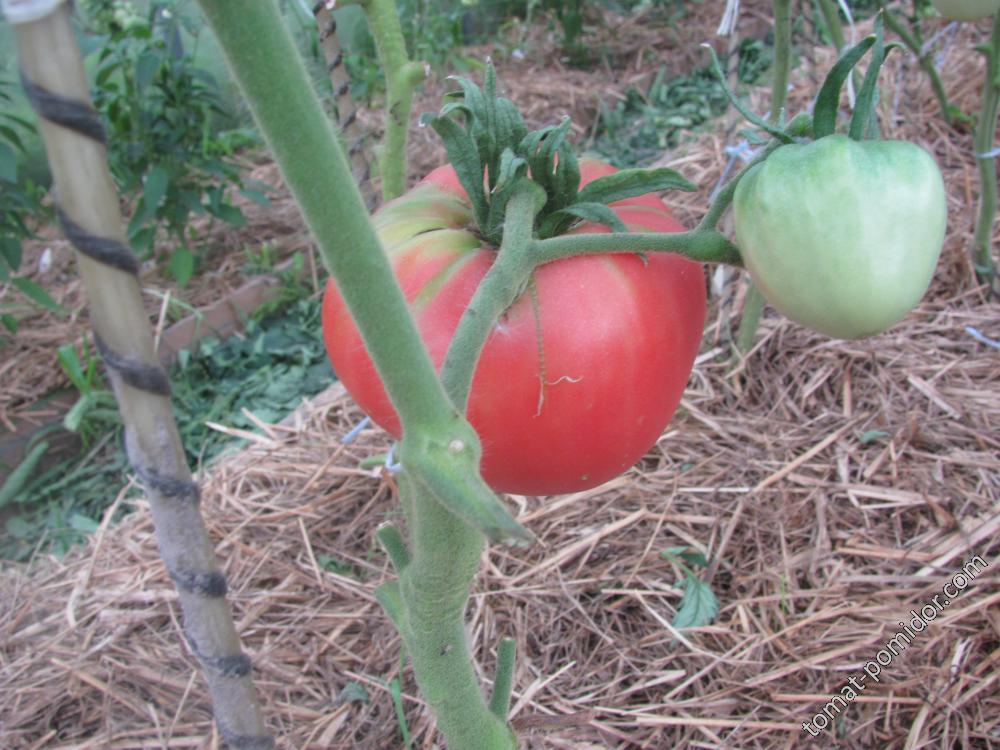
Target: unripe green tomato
(842,236)
(966,10)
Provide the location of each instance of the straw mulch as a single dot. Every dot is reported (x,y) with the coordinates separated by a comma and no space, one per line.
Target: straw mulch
(834,486)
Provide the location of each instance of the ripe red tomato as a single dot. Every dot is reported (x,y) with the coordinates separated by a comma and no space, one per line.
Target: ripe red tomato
(583,372)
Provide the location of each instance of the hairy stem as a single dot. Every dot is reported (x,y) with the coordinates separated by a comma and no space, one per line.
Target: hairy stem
(704,245)
(448,505)
(782,57)
(270,73)
(925,59)
(984,144)
(831,15)
(401,78)
(496,292)
(88,208)
(435,588)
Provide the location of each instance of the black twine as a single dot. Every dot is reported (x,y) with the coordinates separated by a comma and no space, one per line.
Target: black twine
(151,378)
(70,113)
(211,583)
(102,249)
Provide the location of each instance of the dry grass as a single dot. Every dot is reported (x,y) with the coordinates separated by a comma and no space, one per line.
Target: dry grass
(820,542)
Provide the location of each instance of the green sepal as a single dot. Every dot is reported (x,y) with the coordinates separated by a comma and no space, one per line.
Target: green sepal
(464,157)
(863,121)
(628,183)
(557,222)
(511,169)
(828,100)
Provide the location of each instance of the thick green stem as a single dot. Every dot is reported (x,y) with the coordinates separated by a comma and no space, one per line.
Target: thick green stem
(925,59)
(264,62)
(704,245)
(782,57)
(984,143)
(434,589)
(401,78)
(831,15)
(499,288)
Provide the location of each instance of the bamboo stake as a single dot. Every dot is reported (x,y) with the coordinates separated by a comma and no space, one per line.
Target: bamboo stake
(347,111)
(52,74)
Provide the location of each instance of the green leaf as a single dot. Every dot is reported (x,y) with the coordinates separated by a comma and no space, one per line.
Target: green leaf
(182,265)
(145,68)
(9,322)
(83,523)
(10,256)
(688,555)
(229,214)
(154,188)
(78,413)
(8,164)
(255,196)
(698,607)
(18,478)
(828,99)
(71,366)
(353,692)
(36,294)
(629,183)
(141,240)
(871,436)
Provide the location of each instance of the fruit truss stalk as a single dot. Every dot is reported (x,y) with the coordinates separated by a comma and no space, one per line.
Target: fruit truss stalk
(52,73)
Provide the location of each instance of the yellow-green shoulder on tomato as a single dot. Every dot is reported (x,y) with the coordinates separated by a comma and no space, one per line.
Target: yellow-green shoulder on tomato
(842,236)
(966,10)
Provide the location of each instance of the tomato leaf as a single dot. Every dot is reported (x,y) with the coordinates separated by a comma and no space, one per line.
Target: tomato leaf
(18,478)
(36,294)
(182,265)
(629,183)
(828,99)
(698,607)
(8,163)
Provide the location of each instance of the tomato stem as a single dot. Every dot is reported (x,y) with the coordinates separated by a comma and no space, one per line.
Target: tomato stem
(704,245)
(782,57)
(988,113)
(402,76)
(447,504)
(925,57)
(496,292)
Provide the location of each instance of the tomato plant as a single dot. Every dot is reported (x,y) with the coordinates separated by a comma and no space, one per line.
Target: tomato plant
(583,372)
(842,236)
(966,10)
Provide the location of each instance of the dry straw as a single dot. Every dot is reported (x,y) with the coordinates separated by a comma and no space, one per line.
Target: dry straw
(834,486)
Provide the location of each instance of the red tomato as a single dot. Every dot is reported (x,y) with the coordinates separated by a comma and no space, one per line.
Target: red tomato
(578,378)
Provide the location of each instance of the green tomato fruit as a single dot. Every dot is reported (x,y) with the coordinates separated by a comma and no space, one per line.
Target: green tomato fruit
(842,236)
(966,10)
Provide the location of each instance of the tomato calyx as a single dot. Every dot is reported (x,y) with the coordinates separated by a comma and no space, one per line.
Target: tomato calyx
(492,150)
